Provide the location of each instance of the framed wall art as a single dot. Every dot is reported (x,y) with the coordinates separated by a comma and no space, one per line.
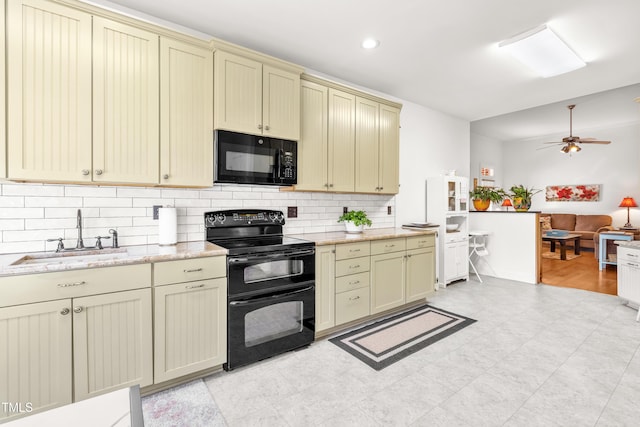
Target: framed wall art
(573,193)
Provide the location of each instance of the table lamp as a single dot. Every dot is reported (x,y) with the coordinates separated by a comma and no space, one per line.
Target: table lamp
(628,202)
(507,203)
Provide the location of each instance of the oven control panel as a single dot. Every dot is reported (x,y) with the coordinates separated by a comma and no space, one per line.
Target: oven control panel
(242,217)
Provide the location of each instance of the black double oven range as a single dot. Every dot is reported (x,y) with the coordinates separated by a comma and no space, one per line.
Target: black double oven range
(270,284)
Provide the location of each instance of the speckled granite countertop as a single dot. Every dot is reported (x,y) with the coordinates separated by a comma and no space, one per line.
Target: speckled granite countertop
(338,237)
(106,257)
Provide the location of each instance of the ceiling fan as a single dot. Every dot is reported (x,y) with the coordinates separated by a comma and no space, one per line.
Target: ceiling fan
(570,143)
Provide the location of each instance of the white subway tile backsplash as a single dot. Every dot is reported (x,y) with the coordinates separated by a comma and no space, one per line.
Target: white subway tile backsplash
(30,213)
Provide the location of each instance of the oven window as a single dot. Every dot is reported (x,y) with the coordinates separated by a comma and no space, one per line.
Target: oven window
(272,322)
(273,270)
(249,162)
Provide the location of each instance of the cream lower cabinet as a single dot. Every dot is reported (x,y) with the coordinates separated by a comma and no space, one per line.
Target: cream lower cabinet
(325,287)
(70,335)
(420,270)
(190,316)
(35,360)
(353,264)
(387,274)
(112,342)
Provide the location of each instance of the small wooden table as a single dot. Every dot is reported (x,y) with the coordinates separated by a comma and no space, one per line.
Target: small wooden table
(603,257)
(563,243)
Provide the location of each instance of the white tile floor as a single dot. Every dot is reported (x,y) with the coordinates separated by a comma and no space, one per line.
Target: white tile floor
(538,356)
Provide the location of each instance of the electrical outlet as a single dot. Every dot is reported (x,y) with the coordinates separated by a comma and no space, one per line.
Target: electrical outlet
(156,213)
(388,210)
(292,212)
(345,209)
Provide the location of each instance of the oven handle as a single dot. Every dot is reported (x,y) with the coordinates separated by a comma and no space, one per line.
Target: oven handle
(271,297)
(272,256)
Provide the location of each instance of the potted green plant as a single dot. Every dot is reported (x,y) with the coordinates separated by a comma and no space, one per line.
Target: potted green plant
(521,197)
(355,221)
(483,196)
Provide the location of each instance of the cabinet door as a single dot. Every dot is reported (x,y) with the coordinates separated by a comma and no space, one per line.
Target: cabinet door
(366,154)
(450,264)
(35,360)
(325,287)
(237,94)
(126,144)
(629,280)
(186,112)
(190,327)
(49,91)
(387,281)
(389,164)
(462,259)
(112,342)
(280,103)
(313,146)
(3,140)
(342,115)
(421,274)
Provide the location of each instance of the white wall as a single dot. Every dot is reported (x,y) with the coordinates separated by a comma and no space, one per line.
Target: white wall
(486,152)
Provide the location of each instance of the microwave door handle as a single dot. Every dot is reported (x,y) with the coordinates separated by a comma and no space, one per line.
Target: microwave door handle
(279,155)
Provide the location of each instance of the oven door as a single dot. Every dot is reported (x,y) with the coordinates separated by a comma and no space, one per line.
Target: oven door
(263,272)
(266,325)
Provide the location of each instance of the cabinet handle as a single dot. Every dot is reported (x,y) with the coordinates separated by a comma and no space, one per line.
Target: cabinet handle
(389,246)
(632,255)
(354,283)
(98,171)
(194,286)
(85,172)
(355,266)
(65,311)
(68,285)
(330,185)
(195,270)
(77,309)
(266,127)
(354,298)
(354,250)
(259,126)
(326,185)
(165,176)
(408,256)
(381,188)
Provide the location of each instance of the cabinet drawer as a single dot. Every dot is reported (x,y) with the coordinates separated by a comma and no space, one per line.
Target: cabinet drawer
(352,281)
(352,305)
(628,254)
(188,270)
(30,288)
(417,242)
(390,245)
(352,266)
(352,250)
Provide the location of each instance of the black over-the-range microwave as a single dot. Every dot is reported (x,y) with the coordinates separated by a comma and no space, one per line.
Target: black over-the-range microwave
(251,159)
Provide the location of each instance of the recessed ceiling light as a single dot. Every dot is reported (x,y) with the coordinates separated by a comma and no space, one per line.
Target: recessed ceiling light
(370,43)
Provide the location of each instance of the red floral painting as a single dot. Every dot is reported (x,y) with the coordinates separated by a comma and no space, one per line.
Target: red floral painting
(573,193)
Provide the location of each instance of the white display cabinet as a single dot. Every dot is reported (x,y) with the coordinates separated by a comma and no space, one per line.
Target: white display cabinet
(447,203)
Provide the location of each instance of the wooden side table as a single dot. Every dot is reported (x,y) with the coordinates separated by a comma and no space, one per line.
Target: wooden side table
(602,250)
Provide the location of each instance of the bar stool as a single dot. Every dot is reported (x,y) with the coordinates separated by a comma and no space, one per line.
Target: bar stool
(477,244)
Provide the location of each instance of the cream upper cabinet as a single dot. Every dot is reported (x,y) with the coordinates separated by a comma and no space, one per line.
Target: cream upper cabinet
(49,90)
(367,140)
(125,103)
(255,98)
(3,141)
(389,150)
(112,342)
(186,114)
(35,361)
(341,137)
(313,145)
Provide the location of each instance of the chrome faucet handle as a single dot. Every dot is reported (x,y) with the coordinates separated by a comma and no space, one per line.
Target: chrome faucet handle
(60,244)
(114,242)
(99,241)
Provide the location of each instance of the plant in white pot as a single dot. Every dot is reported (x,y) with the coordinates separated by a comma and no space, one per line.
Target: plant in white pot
(354,221)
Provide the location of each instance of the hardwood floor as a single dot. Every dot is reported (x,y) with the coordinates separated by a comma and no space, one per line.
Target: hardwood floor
(580,273)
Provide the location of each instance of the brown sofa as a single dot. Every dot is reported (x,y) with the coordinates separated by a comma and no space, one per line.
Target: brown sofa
(587,226)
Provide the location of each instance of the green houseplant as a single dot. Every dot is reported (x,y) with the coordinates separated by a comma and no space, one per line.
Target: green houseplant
(483,196)
(355,221)
(521,197)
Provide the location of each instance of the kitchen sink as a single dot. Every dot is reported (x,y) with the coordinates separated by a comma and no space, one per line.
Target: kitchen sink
(69,257)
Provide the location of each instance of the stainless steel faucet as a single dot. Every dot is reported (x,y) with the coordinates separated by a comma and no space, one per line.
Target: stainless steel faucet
(79,243)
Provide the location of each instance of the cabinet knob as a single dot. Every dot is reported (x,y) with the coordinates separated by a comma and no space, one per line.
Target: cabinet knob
(259,126)
(77,309)
(266,127)
(64,311)
(165,176)
(330,185)
(98,171)
(85,172)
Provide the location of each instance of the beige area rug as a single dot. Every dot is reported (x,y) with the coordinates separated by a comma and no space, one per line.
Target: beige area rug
(383,343)
(556,255)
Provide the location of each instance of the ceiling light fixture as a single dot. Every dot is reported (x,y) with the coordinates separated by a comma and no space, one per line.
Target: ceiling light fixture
(370,43)
(571,147)
(542,50)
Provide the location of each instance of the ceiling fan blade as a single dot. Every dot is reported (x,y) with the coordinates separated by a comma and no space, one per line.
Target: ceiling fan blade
(549,146)
(553,142)
(592,141)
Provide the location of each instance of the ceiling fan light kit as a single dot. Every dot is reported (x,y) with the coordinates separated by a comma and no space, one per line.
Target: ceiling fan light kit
(543,51)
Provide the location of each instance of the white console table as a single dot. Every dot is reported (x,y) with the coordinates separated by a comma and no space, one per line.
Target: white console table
(603,257)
